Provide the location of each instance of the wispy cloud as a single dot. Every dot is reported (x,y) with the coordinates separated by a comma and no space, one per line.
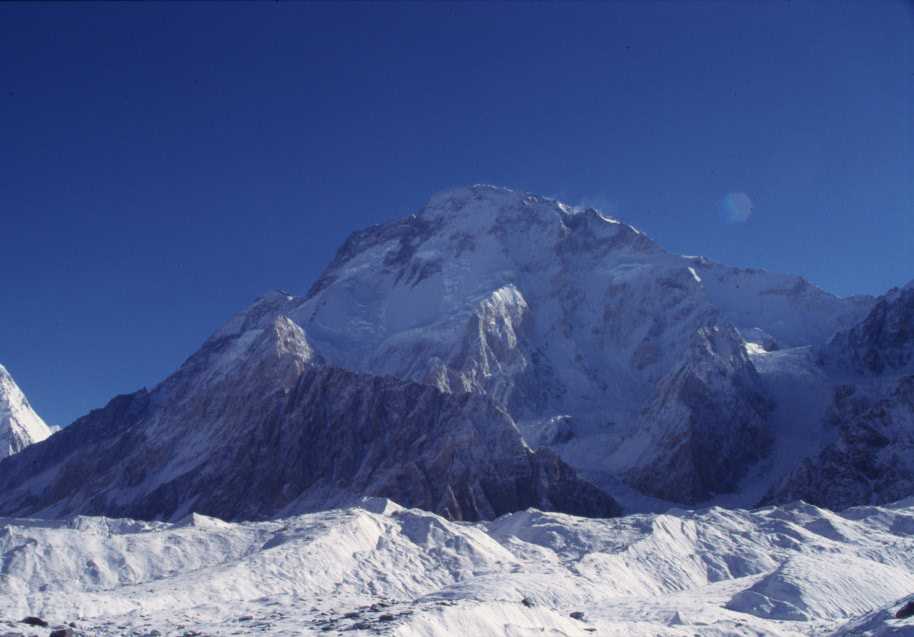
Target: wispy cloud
(601,203)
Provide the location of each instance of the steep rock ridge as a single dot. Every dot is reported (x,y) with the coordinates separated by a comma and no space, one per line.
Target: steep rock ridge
(870,417)
(255,423)
(20,426)
(883,343)
(707,425)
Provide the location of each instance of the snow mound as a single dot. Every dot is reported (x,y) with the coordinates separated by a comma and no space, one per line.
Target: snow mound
(379,568)
(824,586)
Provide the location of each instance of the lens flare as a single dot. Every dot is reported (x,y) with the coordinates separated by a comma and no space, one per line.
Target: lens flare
(736,207)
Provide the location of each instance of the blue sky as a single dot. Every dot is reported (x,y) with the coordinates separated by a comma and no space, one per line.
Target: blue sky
(163,164)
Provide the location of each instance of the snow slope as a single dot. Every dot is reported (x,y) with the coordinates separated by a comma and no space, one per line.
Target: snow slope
(378,568)
(20,426)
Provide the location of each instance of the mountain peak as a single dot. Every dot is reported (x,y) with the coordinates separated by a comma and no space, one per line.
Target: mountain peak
(477,208)
(479,192)
(20,426)
(465,199)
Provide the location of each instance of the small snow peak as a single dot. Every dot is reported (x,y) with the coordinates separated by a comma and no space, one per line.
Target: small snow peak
(258,314)
(200,521)
(380,506)
(20,426)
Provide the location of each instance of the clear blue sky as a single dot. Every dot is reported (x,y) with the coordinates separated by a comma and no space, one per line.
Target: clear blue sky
(162,165)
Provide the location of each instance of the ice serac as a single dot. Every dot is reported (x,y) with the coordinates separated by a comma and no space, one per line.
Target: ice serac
(20,426)
(256,423)
(870,417)
(707,425)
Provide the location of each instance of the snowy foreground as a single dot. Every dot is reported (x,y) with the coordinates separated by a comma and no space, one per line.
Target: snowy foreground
(381,569)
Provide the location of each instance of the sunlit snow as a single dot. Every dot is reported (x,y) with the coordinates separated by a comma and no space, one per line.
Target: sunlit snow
(382,569)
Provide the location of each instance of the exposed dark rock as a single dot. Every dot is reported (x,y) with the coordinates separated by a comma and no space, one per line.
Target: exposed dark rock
(905,611)
(34,621)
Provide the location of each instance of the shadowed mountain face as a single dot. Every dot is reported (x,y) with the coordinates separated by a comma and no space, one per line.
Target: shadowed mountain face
(254,425)
(883,343)
(474,358)
(870,416)
(707,425)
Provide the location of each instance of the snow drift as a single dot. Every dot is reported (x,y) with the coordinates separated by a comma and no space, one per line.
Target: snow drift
(379,568)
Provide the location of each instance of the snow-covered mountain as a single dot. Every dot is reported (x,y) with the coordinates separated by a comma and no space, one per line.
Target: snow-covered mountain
(20,426)
(256,424)
(380,569)
(579,325)
(472,358)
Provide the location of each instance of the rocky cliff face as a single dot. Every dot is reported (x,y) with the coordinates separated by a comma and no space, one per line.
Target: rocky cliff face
(707,425)
(20,426)
(255,424)
(881,344)
(870,417)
